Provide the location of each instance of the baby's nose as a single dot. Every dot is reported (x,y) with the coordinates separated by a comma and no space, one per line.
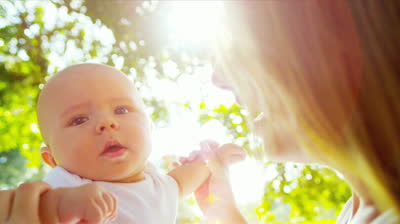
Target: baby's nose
(107,125)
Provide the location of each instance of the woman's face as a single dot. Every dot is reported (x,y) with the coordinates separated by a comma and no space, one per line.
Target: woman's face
(280,143)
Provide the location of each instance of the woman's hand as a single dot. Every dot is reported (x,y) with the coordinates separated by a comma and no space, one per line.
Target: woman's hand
(215,197)
(21,205)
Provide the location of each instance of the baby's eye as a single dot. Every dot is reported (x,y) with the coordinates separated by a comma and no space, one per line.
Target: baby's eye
(121,110)
(79,120)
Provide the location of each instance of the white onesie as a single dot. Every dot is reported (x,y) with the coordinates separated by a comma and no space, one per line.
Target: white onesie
(150,201)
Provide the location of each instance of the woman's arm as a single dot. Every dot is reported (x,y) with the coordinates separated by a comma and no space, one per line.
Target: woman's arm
(216,200)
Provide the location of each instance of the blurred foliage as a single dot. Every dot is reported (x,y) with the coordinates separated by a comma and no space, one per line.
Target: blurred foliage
(13,170)
(35,44)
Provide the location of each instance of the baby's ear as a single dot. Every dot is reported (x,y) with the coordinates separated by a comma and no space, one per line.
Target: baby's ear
(47,156)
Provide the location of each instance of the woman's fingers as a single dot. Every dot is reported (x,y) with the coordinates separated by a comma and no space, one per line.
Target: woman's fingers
(25,203)
(237,154)
(6,201)
(231,153)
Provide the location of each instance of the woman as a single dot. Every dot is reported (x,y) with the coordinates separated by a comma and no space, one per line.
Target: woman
(326,79)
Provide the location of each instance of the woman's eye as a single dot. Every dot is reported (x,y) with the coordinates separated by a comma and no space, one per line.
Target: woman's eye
(121,110)
(79,120)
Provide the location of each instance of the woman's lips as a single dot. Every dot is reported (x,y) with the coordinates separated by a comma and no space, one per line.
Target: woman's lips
(113,149)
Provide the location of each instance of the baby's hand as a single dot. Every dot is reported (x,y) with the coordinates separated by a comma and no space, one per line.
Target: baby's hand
(88,203)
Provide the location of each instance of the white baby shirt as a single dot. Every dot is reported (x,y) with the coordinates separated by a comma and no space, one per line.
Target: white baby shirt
(151,201)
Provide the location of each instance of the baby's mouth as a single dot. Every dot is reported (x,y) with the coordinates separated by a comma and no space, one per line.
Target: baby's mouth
(113,149)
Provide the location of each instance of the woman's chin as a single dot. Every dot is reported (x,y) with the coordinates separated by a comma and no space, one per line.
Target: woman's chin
(288,155)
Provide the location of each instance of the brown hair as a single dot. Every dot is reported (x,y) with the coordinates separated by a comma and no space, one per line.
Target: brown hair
(335,66)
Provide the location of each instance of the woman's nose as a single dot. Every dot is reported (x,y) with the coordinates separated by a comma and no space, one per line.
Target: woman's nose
(219,82)
(107,125)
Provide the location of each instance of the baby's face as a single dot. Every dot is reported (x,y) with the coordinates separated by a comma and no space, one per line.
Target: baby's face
(94,124)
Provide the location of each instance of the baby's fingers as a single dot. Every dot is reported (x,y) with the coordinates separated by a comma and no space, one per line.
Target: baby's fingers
(209,144)
(94,213)
(192,157)
(111,202)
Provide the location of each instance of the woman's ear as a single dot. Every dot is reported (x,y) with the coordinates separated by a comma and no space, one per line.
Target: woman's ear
(47,156)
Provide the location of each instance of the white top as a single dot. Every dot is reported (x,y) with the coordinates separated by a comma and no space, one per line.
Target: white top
(152,200)
(388,217)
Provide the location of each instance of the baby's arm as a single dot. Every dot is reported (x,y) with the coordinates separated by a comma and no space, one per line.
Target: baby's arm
(192,174)
(88,203)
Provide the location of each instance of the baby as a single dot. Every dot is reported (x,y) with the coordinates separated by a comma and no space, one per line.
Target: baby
(97,138)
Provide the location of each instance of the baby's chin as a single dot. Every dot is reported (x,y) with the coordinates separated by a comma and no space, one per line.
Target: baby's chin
(125,176)
(117,173)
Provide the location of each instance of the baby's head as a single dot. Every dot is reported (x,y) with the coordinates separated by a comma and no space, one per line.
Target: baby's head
(93,122)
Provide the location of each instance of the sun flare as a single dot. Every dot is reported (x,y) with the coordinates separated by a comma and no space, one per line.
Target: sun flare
(193,22)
